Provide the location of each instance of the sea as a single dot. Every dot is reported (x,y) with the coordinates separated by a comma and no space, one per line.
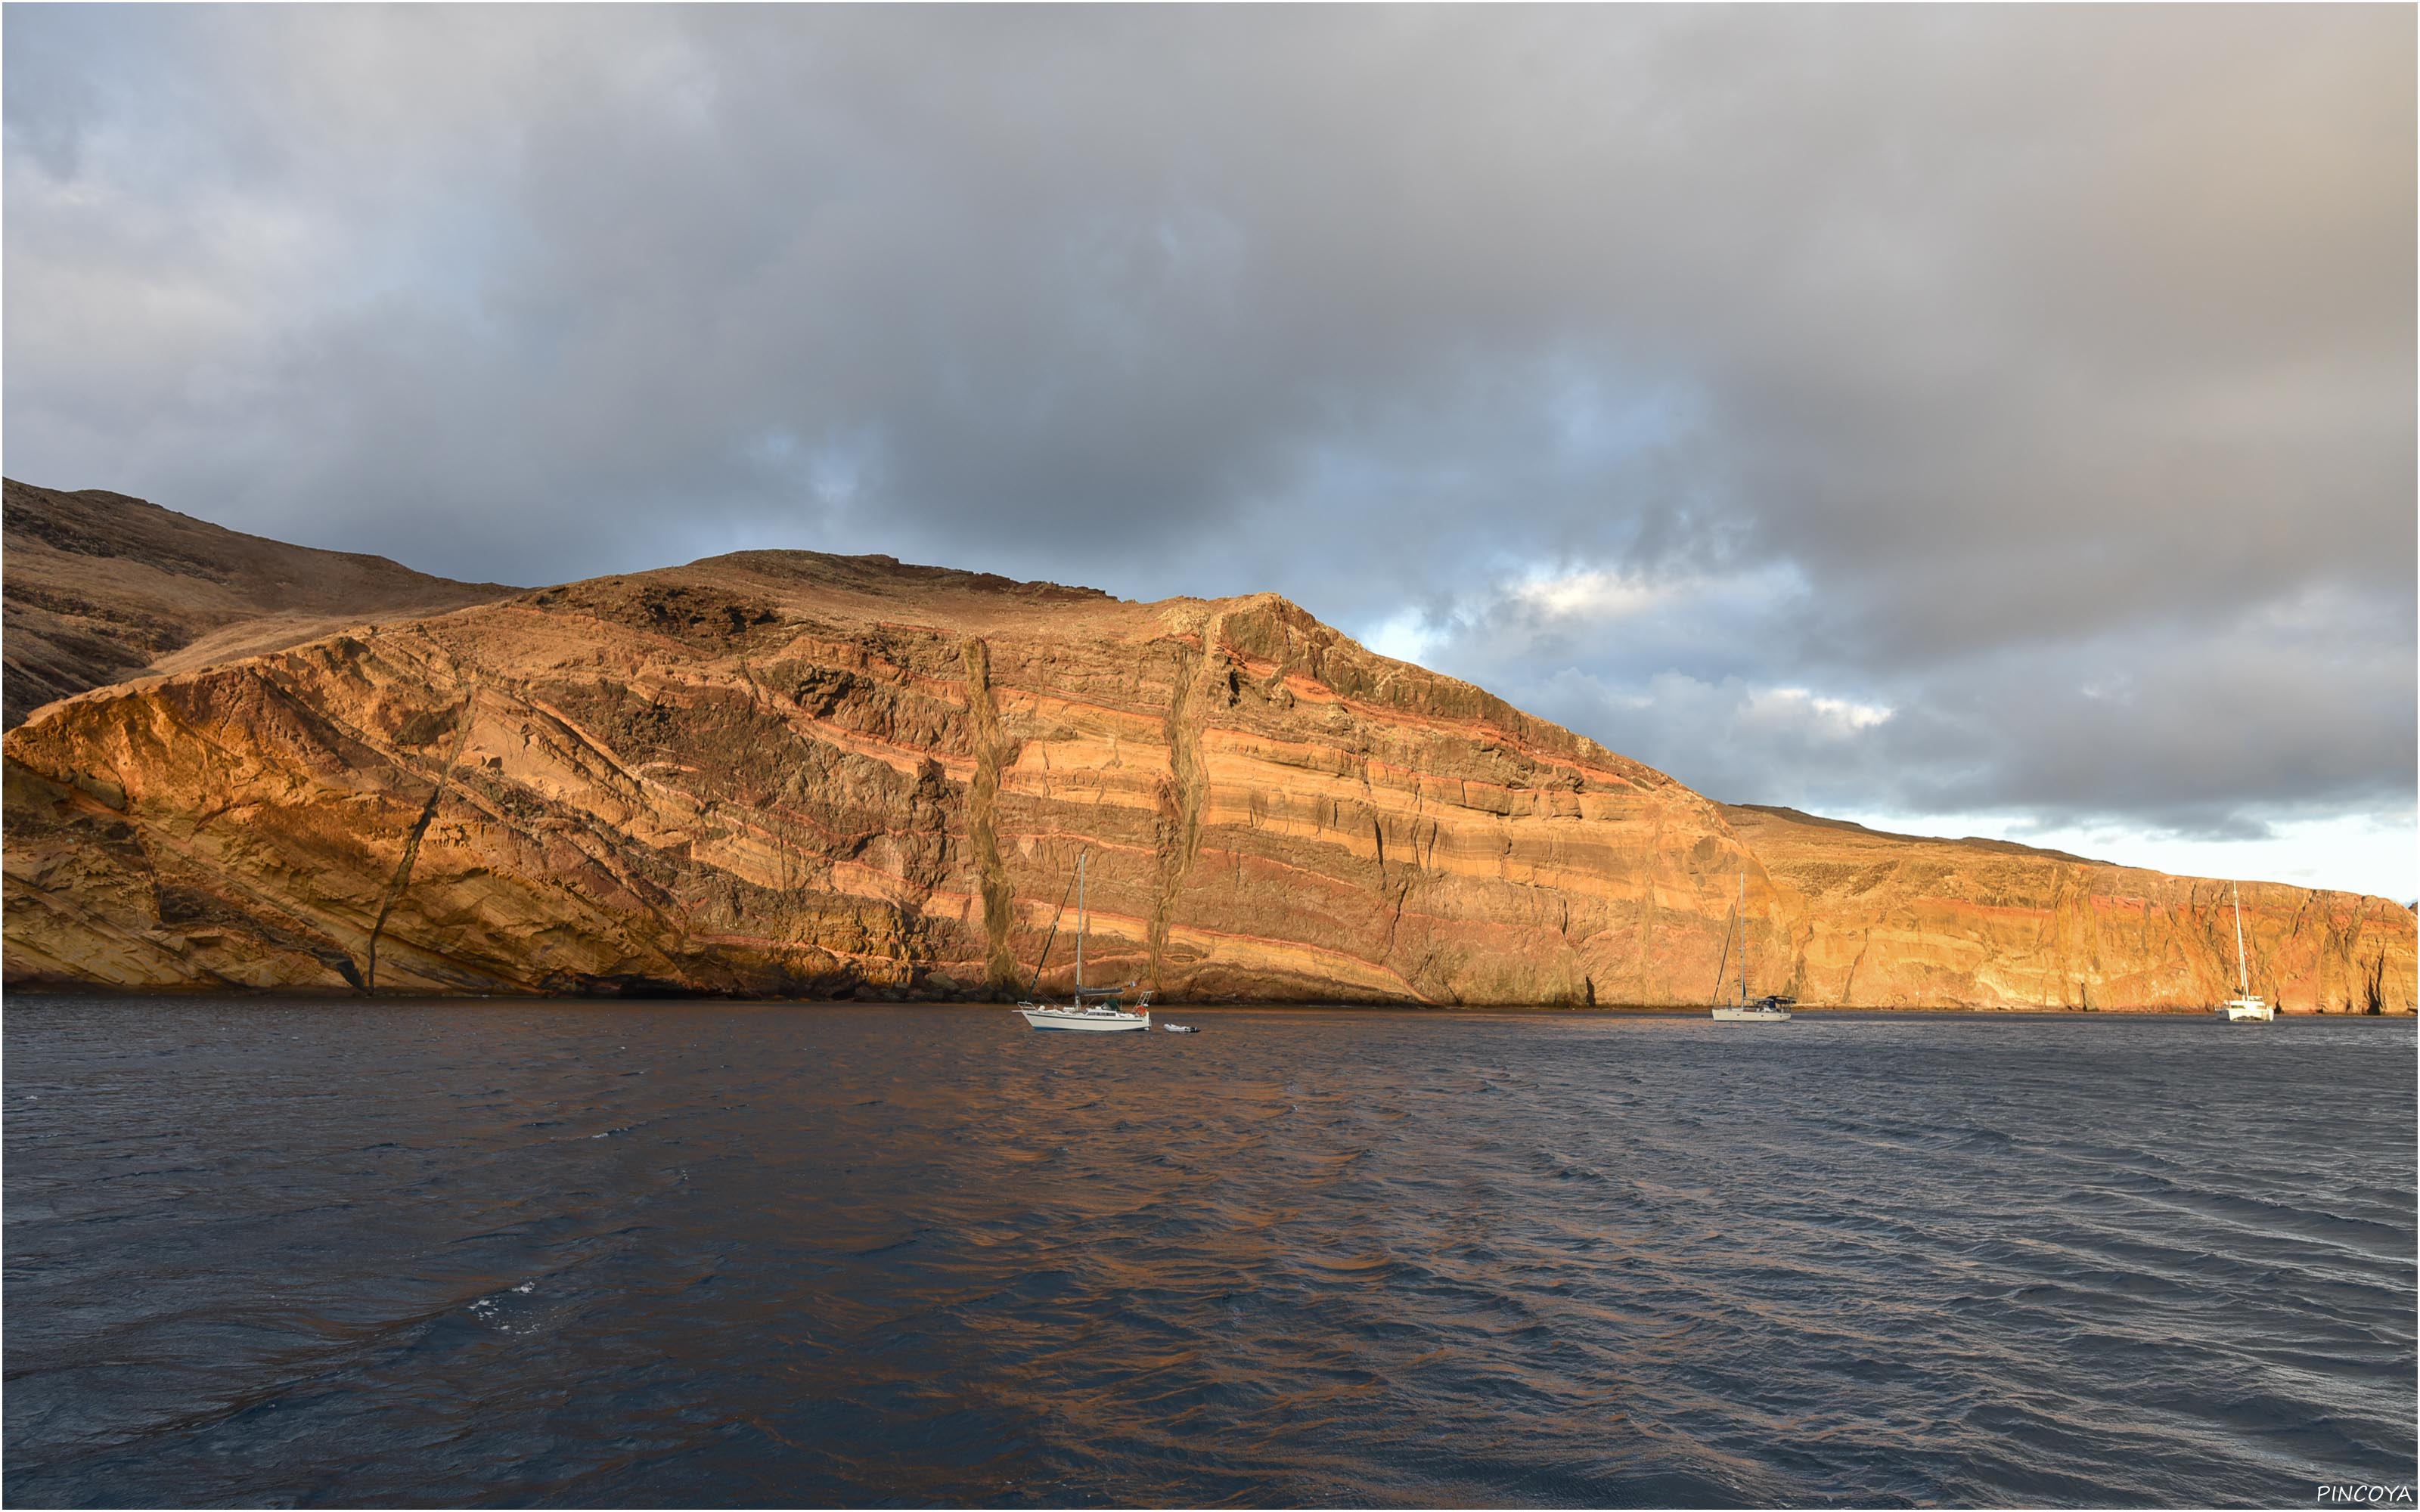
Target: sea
(474,1254)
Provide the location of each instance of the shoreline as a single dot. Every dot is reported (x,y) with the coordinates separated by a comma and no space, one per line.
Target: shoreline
(671,999)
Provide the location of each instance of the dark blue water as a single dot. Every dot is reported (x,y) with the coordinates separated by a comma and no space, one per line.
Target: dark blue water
(693,1256)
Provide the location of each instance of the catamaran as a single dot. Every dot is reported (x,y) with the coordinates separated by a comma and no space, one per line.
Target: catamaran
(1094,1007)
(1770,1009)
(2243,1008)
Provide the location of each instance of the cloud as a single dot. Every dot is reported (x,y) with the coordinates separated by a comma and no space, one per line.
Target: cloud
(1640,363)
(1597,595)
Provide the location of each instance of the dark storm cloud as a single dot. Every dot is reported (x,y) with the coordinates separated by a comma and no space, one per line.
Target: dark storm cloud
(1924,409)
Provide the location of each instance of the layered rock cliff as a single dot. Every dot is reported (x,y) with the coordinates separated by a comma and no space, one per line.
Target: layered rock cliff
(102,587)
(1898,920)
(792,774)
(789,774)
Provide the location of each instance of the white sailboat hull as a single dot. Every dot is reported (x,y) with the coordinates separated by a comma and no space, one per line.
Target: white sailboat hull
(1086,1020)
(1751,1015)
(2248,1011)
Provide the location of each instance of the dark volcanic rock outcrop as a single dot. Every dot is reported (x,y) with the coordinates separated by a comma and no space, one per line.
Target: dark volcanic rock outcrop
(102,588)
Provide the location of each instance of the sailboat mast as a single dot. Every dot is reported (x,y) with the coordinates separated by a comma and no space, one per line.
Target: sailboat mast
(1722,962)
(2242,974)
(1743,908)
(1079,927)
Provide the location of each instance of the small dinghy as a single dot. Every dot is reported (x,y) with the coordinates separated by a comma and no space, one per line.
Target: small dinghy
(1176,1028)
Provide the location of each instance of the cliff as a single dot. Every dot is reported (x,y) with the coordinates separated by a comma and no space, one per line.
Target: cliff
(102,588)
(1897,921)
(783,772)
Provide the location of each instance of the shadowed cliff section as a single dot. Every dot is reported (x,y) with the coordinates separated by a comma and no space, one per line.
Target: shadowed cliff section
(1178,838)
(990,749)
(791,774)
(100,587)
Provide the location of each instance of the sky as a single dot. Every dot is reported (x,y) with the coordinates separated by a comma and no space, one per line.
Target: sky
(1981,420)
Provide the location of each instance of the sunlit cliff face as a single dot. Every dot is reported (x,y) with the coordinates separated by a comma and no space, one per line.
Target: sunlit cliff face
(784,774)
(1919,414)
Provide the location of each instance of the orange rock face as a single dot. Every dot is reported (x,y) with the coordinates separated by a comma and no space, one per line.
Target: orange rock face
(781,773)
(1892,920)
(786,773)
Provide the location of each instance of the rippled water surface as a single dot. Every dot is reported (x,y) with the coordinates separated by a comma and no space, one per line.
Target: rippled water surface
(684,1255)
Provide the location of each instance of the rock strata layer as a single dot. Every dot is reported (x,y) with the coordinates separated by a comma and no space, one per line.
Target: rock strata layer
(780,773)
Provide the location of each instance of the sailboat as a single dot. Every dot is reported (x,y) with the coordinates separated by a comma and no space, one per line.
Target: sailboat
(1772,1009)
(1094,1007)
(2243,1008)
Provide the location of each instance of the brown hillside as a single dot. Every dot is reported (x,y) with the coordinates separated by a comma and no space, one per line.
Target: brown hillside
(100,587)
